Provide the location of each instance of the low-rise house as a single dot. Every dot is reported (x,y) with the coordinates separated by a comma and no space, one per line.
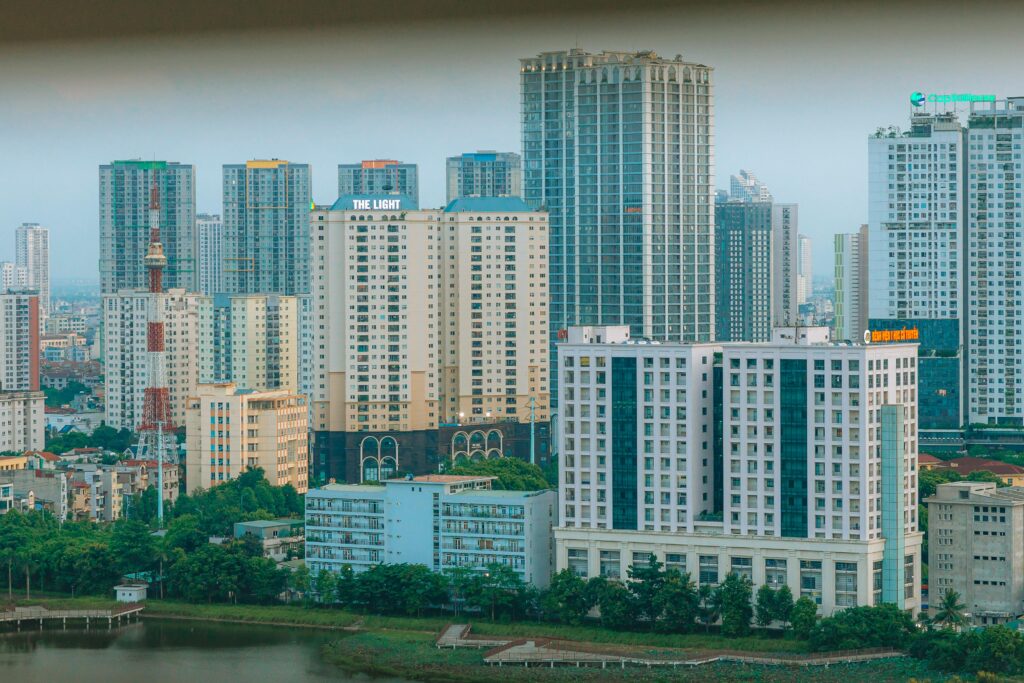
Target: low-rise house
(106,490)
(6,496)
(148,477)
(928,462)
(1012,475)
(441,521)
(10,463)
(42,460)
(281,538)
(46,489)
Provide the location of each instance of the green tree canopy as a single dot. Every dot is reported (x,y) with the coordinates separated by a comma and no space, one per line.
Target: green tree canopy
(512,474)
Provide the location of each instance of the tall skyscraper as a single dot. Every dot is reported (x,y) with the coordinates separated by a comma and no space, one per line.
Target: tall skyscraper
(851,284)
(745,187)
(804,284)
(743,271)
(266,227)
(126,367)
(916,256)
(485,174)
(32,252)
(249,340)
(618,148)
(125,188)
(210,233)
(785,265)
(19,341)
(12,276)
(994,286)
(380,176)
(430,337)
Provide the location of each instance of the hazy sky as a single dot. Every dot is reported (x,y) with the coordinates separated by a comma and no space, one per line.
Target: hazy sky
(797,91)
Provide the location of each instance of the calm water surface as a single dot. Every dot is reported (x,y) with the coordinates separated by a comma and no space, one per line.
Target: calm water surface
(153,651)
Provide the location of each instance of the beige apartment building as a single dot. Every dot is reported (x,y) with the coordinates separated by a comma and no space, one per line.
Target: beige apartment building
(22,420)
(230,430)
(250,340)
(430,333)
(976,548)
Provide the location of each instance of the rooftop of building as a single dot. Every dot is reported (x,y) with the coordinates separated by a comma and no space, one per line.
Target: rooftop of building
(1010,494)
(380,201)
(270,523)
(499,495)
(969,464)
(442,479)
(45,455)
(488,205)
(926,459)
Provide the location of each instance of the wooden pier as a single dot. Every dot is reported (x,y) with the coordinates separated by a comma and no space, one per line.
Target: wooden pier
(33,615)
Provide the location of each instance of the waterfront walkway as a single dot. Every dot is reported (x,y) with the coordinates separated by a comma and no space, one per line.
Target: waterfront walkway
(41,615)
(549,652)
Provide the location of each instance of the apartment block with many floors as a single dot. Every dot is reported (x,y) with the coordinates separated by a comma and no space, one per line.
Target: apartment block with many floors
(811,482)
(229,430)
(19,341)
(440,521)
(380,177)
(485,174)
(428,334)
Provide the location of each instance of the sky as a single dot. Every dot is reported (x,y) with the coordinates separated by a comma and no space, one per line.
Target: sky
(798,89)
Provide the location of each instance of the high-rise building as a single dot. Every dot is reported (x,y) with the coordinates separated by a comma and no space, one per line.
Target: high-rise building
(125,324)
(210,233)
(975,536)
(19,341)
(994,240)
(804,284)
(916,255)
(380,177)
(485,174)
(22,421)
(266,227)
(851,284)
(618,148)
(743,271)
(785,265)
(125,189)
(230,430)
(745,187)
(32,252)
(250,340)
(12,276)
(439,521)
(429,334)
(811,482)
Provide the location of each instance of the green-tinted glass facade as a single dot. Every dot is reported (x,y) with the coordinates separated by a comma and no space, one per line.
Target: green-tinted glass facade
(624,443)
(893,558)
(793,444)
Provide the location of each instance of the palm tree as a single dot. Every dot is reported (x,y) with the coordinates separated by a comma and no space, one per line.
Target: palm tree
(950,611)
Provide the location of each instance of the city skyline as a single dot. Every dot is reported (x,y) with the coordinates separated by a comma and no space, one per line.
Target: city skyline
(184,106)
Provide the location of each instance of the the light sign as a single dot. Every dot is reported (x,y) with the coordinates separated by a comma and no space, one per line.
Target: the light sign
(906,334)
(918,98)
(376,204)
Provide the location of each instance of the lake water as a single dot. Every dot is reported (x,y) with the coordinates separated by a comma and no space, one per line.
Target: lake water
(164,651)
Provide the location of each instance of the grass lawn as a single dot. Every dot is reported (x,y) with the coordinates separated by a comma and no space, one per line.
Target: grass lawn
(412,655)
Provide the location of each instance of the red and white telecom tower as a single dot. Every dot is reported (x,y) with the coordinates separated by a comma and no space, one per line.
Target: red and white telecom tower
(156,404)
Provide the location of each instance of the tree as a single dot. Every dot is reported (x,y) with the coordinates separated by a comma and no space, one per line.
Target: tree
(567,597)
(783,606)
(883,625)
(928,480)
(498,590)
(804,616)
(184,533)
(996,649)
(132,546)
(985,475)
(646,582)
(709,605)
(736,592)
(326,586)
(950,611)
(676,602)
(764,610)
(299,580)
(513,474)
(617,605)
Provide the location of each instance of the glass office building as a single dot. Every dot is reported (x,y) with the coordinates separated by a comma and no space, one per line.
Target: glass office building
(618,147)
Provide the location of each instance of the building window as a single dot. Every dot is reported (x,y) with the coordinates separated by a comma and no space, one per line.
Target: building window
(846,584)
(610,564)
(810,580)
(744,566)
(876,582)
(675,561)
(579,561)
(908,577)
(708,570)
(775,573)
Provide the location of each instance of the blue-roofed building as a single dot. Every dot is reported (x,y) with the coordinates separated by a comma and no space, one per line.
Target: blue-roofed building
(485,174)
